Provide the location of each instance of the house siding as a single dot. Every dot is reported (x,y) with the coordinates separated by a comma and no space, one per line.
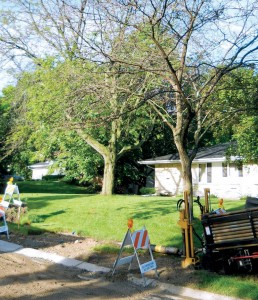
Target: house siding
(37,174)
(168,180)
(40,170)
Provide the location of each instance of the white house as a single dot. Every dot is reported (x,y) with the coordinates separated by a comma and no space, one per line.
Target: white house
(210,169)
(43,168)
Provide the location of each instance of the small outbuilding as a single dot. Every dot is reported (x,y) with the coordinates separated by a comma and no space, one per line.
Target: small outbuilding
(210,169)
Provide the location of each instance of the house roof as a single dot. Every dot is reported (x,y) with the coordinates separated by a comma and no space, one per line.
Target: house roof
(41,165)
(207,154)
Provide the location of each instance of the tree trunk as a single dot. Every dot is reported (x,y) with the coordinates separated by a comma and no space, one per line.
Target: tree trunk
(186,164)
(109,154)
(109,174)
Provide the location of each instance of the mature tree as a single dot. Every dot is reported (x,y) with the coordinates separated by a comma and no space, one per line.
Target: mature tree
(97,105)
(191,46)
(91,104)
(188,45)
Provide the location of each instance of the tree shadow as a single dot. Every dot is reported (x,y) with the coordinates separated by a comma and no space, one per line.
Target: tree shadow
(42,201)
(54,187)
(146,210)
(42,218)
(166,207)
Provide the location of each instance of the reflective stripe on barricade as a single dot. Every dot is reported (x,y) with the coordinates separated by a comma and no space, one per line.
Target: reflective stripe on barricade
(141,239)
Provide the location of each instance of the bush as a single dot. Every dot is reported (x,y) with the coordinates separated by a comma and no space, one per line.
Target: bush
(147,191)
(92,189)
(52,177)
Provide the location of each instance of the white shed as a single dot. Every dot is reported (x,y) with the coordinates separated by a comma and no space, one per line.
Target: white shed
(41,169)
(210,169)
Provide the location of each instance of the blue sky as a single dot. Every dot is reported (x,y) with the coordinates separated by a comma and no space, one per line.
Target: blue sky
(5,80)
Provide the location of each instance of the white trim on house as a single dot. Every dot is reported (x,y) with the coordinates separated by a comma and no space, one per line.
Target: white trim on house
(204,160)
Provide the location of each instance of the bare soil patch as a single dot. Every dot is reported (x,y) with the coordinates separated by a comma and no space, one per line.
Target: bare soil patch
(25,278)
(84,249)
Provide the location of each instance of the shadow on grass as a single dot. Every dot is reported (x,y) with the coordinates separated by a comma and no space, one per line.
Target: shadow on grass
(146,210)
(42,201)
(42,218)
(57,187)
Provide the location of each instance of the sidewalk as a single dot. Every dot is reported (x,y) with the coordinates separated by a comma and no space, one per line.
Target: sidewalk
(7,247)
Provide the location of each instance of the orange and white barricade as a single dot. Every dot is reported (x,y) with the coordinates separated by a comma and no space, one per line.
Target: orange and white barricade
(11,195)
(139,239)
(10,192)
(3,226)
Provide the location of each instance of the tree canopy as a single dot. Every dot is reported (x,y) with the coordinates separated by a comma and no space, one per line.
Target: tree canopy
(171,55)
(85,99)
(192,46)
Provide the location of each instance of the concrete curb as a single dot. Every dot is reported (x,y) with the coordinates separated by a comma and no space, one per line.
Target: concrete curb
(191,293)
(55,258)
(8,247)
(58,259)
(180,290)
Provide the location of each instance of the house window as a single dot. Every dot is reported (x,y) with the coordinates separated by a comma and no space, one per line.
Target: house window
(224,170)
(236,170)
(202,168)
(209,172)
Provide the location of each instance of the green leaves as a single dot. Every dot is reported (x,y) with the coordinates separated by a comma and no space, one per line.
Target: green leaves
(246,135)
(84,115)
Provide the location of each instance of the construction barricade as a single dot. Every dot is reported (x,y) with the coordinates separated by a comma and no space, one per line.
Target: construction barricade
(3,224)
(11,196)
(138,239)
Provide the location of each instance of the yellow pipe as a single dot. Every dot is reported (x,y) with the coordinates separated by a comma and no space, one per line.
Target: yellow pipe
(164,250)
(206,192)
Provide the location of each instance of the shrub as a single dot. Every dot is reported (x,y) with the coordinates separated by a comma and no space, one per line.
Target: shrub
(52,177)
(147,190)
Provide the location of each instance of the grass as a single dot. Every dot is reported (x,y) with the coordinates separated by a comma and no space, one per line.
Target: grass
(57,187)
(57,207)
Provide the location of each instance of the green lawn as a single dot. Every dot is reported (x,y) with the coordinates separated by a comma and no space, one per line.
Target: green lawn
(57,207)
(103,217)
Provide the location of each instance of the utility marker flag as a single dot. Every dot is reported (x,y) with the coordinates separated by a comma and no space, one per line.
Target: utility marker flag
(138,240)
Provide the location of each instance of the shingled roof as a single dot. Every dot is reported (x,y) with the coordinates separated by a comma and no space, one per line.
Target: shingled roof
(207,154)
